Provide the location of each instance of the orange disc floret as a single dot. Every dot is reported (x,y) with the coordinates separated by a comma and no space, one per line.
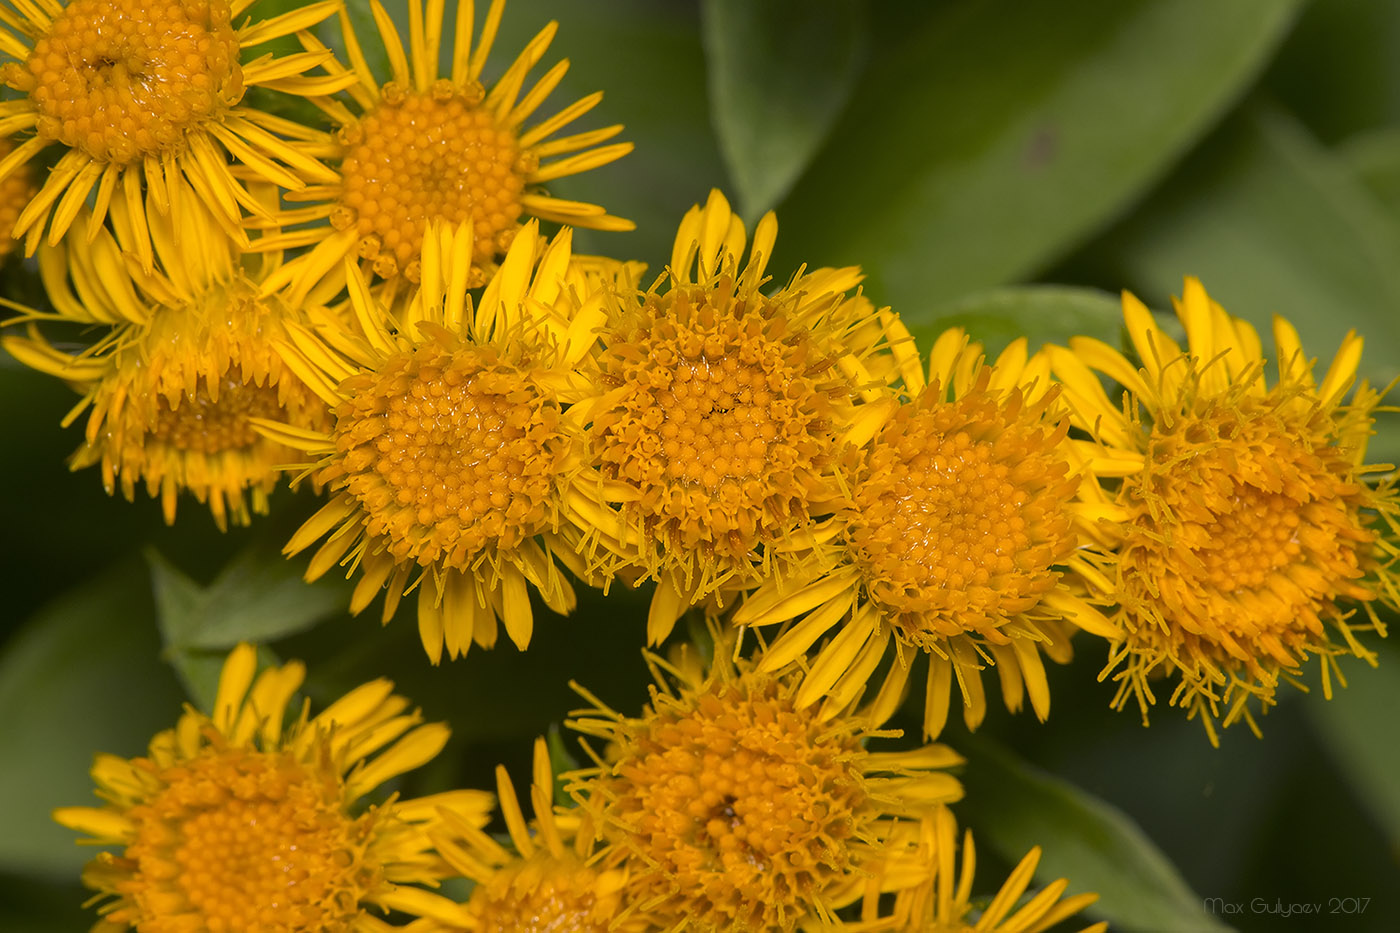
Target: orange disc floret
(534,897)
(252,818)
(1240,508)
(449,449)
(150,98)
(722,419)
(172,406)
(1248,534)
(245,840)
(421,156)
(964,538)
(735,810)
(122,79)
(434,142)
(214,418)
(186,364)
(454,443)
(960,511)
(743,802)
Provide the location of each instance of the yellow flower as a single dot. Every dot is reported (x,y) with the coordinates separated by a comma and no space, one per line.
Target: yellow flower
(735,810)
(15,191)
(426,147)
(451,447)
(187,360)
(549,884)
(244,820)
(1243,519)
(943,902)
(962,539)
(722,414)
(142,96)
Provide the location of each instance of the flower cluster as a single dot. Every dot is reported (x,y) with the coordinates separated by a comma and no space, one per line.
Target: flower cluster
(363,292)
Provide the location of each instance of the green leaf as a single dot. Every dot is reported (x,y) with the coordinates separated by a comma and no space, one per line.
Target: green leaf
(561,761)
(260,596)
(1374,158)
(1040,313)
(84,675)
(1338,70)
(779,74)
(1357,726)
(1274,224)
(998,134)
(1011,806)
(33,906)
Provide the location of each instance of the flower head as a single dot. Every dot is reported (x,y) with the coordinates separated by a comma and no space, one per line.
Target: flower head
(943,903)
(961,539)
(242,819)
(549,882)
(187,360)
(451,448)
(723,413)
(432,147)
(138,94)
(1243,519)
(735,810)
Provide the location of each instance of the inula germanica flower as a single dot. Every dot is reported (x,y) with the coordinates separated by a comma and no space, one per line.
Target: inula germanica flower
(734,810)
(722,414)
(247,820)
(944,902)
(451,449)
(1245,524)
(430,146)
(187,360)
(144,95)
(959,532)
(548,883)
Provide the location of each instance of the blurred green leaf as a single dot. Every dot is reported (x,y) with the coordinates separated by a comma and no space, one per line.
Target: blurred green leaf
(1012,806)
(1040,313)
(260,596)
(33,906)
(82,676)
(1374,158)
(1338,69)
(779,74)
(1000,133)
(1274,224)
(1358,726)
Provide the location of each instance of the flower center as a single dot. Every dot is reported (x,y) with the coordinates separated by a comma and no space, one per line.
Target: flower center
(419,157)
(958,512)
(245,840)
(210,422)
(550,898)
(1248,527)
(724,424)
(450,452)
(122,79)
(743,805)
